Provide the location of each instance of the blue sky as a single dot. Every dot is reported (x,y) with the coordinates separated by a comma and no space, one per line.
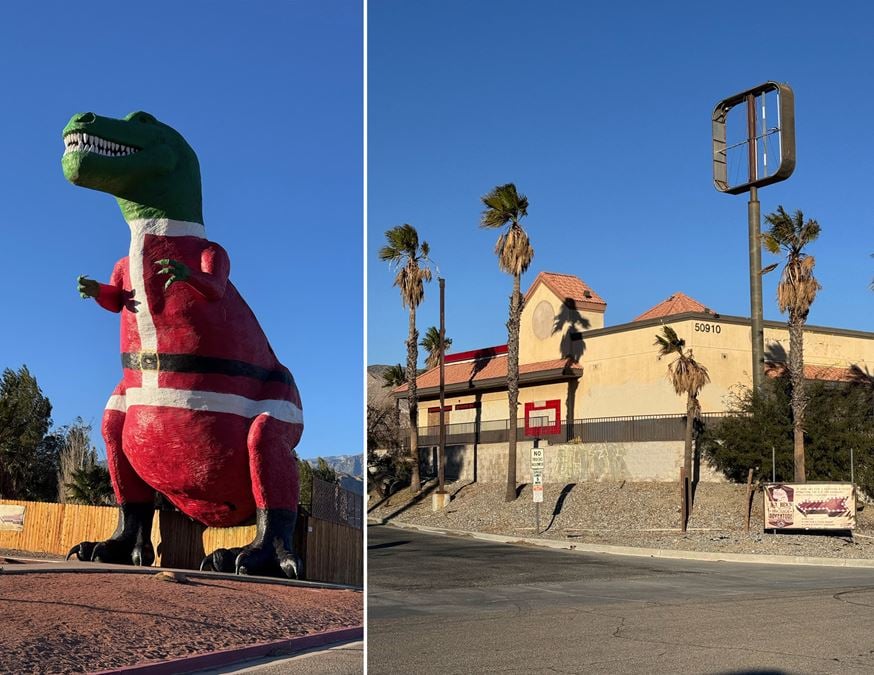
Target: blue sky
(600,113)
(270,97)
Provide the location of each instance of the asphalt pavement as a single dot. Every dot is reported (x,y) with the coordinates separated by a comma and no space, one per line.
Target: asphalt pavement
(439,604)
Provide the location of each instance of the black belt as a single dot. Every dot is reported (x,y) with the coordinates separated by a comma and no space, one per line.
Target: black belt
(205,365)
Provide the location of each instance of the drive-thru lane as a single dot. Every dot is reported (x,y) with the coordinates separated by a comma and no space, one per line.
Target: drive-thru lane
(457,605)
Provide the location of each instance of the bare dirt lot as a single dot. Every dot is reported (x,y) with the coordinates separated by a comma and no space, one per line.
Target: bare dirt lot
(65,622)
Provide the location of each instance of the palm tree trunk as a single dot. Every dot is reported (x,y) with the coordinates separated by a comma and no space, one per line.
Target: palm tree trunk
(412,357)
(513,383)
(687,450)
(799,397)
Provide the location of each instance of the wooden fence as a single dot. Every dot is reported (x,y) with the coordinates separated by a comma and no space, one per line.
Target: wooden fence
(332,553)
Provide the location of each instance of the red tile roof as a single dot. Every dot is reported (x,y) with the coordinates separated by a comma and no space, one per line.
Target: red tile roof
(478,371)
(678,303)
(811,372)
(570,289)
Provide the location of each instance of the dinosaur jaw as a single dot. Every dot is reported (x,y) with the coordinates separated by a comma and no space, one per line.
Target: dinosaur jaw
(78,141)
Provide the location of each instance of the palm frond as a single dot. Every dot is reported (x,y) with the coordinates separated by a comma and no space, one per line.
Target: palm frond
(402,242)
(503,205)
(404,251)
(687,375)
(514,251)
(797,287)
(431,344)
(669,342)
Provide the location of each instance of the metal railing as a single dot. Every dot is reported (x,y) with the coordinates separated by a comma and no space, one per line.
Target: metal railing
(625,429)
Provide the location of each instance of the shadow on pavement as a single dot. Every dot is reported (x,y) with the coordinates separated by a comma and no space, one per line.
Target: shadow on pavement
(388,544)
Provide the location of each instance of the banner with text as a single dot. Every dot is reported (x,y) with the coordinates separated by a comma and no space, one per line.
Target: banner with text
(809,506)
(11,518)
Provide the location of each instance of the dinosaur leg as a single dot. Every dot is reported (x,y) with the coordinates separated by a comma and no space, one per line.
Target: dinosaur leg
(131,543)
(276,489)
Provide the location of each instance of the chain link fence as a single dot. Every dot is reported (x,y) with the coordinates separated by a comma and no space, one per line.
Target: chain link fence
(336,504)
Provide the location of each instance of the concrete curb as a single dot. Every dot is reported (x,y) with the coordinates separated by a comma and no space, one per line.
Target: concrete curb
(224,657)
(639,552)
(46,566)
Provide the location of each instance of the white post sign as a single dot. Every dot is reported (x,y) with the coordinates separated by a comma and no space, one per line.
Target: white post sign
(537,464)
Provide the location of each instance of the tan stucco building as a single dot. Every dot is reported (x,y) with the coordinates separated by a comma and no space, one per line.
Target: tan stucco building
(573,366)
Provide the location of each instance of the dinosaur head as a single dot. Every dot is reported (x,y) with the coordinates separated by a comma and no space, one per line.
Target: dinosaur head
(147,165)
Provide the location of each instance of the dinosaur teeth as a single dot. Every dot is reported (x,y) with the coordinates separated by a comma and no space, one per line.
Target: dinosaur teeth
(80,141)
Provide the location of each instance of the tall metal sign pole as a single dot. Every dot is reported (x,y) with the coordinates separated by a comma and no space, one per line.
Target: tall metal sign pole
(440,499)
(441,456)
(757,141)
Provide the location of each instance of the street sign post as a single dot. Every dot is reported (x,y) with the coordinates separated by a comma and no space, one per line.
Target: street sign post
(538,461)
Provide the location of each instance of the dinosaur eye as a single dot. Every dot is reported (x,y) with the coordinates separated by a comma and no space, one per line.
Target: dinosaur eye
(143,117)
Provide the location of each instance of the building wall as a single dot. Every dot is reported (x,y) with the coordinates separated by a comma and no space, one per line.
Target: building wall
(495,406)
(567,463)
(623,375)
(544,337)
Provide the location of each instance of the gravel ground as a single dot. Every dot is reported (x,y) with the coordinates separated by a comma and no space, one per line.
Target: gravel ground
(84,622)
(625,514)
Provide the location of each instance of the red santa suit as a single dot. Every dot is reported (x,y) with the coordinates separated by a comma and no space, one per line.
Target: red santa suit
(205,413)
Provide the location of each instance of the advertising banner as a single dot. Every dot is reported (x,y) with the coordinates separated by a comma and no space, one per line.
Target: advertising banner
(809,506)
(11,518)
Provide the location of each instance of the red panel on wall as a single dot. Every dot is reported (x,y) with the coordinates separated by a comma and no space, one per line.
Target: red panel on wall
(542,409)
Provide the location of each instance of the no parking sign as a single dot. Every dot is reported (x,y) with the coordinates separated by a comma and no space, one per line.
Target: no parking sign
(537,463)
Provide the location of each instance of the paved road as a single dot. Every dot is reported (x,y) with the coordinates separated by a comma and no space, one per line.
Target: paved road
(456,605)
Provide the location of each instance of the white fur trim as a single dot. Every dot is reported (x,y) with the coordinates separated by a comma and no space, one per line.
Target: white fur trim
(210,401)
(145,323)
(166,227)
(116,402)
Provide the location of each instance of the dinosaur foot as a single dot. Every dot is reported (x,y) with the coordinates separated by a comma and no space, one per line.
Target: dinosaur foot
(130,544)
(270,554)
(117,551)
(259,561)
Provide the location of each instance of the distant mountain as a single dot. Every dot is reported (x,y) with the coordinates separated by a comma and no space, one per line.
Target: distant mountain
(348,468)
(350,465)
(353,484)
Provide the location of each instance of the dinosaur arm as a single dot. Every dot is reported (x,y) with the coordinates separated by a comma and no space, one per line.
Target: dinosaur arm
(111,296)
(211,279)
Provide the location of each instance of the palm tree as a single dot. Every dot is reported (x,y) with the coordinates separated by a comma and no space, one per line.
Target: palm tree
(394,376)
(90,485)
(431,344)
(505,206)
(404,252)
(687,377)
(796,291)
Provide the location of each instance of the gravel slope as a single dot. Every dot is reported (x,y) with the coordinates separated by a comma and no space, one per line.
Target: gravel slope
(624,514)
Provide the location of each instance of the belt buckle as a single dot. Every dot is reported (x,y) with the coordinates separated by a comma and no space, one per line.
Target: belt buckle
(150,361)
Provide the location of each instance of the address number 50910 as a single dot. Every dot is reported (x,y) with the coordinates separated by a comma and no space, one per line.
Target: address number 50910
(707,328)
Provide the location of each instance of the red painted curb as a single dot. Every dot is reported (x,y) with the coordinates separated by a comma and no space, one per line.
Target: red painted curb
(224,657)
